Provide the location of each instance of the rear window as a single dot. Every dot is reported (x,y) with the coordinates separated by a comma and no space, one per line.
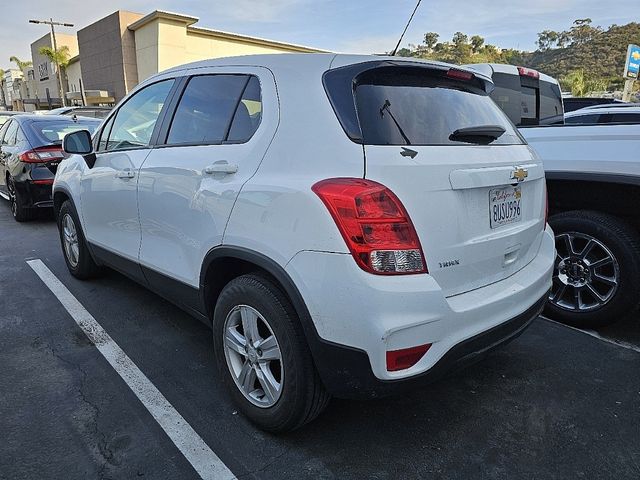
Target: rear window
(411,106)
(526,100)
(54,131)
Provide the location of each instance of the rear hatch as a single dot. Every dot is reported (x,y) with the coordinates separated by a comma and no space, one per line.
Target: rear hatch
(473,189)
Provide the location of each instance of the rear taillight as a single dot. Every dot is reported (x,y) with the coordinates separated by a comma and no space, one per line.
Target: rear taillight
(405,358)
(528,72)
(374,224)
(459,74)
(42,155)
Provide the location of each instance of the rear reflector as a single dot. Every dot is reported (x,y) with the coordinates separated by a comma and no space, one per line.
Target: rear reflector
(459,74)
(374,224)
(405,358)
(48,181)
(528,72)
(42,155)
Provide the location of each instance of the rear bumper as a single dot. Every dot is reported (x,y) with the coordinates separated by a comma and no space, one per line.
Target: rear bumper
(358,317)
(346,372)
(35,195)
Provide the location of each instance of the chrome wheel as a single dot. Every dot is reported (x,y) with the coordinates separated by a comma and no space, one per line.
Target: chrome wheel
(70,240)
(253,356)
(586,274)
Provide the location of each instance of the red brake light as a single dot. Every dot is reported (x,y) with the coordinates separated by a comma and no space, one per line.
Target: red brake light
(374,224)
(528,72)
(405,358)
(459,74)
(42,155)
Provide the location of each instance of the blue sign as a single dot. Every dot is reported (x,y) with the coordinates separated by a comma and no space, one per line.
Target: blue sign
(632,65)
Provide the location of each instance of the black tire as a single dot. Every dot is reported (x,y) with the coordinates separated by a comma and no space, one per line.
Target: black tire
(84,267)
(302,397)
(623,243)
(18,210)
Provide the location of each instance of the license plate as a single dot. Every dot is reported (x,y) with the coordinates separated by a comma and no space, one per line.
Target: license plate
(505,206)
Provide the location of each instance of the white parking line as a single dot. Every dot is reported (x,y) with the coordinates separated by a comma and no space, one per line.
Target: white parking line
(196,451)
(593,334)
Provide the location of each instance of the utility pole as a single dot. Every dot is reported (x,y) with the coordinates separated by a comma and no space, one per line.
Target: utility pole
(55,49)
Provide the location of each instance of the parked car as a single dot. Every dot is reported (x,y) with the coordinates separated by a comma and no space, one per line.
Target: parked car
(619,114)
(527,96)
(355,237)
(93,112)
(593,177)
(6,115)
(30,150)
(576,103)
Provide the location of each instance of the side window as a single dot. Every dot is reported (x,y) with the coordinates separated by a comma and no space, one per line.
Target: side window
(3,130)
(625,118)
(583,119)
(104,135)
(248,114)
(136,119)
(10,134)
(207,108)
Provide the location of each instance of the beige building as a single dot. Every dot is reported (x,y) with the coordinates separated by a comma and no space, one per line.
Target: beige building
(47,90)
(124,48)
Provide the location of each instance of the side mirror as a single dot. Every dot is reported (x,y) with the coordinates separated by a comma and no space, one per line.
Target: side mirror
(79,143)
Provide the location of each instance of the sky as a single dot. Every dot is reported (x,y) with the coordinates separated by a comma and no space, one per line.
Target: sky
(354,26)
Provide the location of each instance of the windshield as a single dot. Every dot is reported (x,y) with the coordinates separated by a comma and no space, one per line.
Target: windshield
(416,109)
(54,131)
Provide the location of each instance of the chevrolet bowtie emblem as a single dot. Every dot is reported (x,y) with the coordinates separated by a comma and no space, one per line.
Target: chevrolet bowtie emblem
(519,174)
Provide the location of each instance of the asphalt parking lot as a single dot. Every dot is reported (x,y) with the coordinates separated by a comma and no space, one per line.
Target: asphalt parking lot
(555,403)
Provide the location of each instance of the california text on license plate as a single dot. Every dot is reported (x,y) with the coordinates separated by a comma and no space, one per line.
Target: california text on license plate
(504,206)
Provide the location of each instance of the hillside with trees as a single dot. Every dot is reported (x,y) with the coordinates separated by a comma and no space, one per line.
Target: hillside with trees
(584,58)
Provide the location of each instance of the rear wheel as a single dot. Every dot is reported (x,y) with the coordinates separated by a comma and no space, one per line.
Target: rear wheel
(74,246)
(596,278)
(18,210)
(263,357)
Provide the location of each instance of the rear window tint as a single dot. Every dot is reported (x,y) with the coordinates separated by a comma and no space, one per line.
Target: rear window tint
(410,106)
(49,132)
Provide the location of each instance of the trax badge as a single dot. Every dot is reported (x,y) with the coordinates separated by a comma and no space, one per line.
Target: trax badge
(519,174)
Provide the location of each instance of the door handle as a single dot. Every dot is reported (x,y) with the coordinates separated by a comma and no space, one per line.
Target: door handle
(221,167)
(126,173)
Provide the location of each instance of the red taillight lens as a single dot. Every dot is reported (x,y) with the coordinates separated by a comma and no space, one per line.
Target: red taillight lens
(405,358)
(528,72)
(42,155)
(374,224)
(459,74)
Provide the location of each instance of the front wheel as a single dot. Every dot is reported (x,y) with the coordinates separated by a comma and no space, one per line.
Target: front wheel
(596,279)
(263,356)
(74,245)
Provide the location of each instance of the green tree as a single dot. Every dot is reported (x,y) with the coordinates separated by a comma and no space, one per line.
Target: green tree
(477,42)
(19,63)
(430,40)
(59,57)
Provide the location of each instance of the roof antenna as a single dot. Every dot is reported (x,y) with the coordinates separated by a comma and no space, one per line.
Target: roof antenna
(405,29)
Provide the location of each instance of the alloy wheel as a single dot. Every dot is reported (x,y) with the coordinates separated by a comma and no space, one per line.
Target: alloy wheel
(253,356)
(586,274)
(12,197)
(70,240)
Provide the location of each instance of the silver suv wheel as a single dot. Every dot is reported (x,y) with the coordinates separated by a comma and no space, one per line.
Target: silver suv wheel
(70,240)
(253,356)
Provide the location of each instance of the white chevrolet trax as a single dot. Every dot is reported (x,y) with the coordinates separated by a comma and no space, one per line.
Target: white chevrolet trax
(350,226)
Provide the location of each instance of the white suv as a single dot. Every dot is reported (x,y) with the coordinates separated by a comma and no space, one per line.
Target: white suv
(348,225)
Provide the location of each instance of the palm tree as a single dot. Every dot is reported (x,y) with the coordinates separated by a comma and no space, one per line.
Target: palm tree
(20,64)
(61,58)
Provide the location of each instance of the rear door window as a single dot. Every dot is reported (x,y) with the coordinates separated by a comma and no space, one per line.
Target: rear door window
(409,106)
(10,134)
(216,109)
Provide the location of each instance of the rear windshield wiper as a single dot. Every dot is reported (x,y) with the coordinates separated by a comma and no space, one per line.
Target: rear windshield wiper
(386,106)
(482,134)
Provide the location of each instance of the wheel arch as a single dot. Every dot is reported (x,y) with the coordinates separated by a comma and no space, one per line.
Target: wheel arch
(609,194)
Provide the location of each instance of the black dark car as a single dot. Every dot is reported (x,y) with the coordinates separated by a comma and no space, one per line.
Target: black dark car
(30,150)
